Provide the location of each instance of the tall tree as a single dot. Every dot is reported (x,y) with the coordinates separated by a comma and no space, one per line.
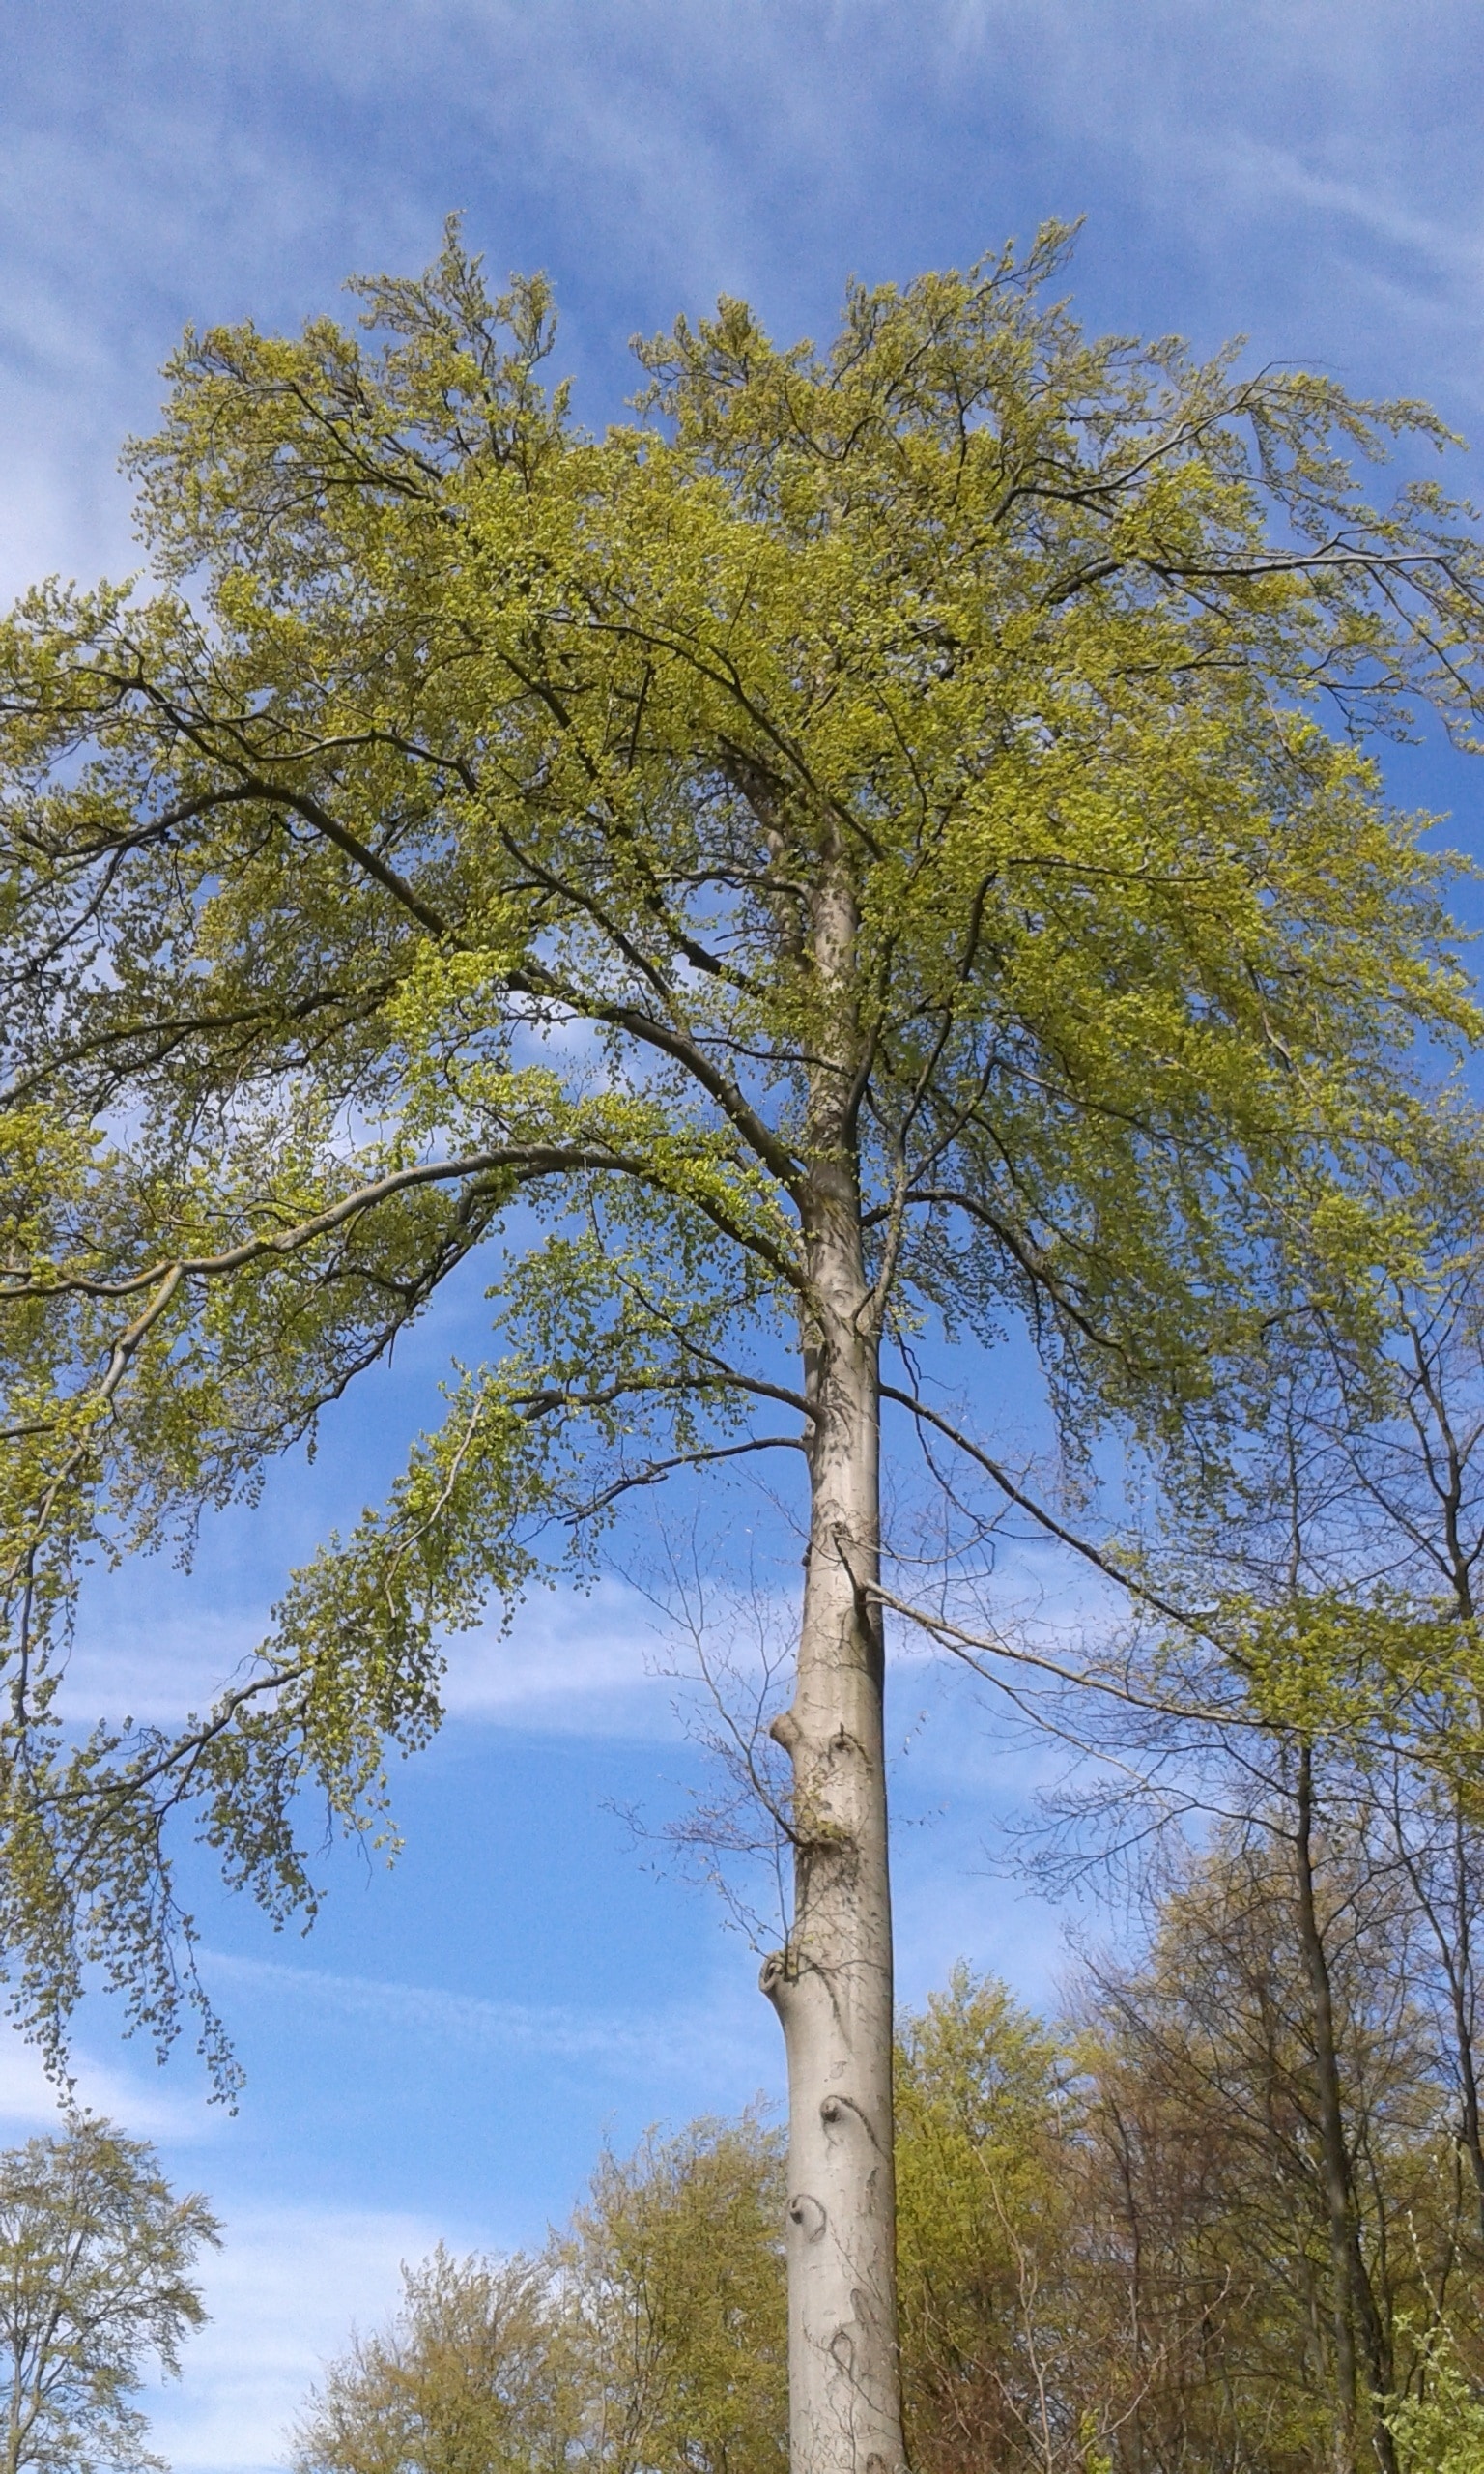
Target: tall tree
(649,2336)
(471,2376)
(1401,1449)
(1353,1643)
(854,853)
(96,2276)
(673,2278)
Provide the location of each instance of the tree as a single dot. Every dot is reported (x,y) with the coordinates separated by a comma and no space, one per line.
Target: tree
(987,2230)
(1404,1459)
(651,2335)
(672,2277)
(852,856)
(472,2378)
(95,2260)
(1276,2173)
(1340,1673)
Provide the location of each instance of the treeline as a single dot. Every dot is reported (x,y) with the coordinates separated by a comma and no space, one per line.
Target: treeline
(1123,2241)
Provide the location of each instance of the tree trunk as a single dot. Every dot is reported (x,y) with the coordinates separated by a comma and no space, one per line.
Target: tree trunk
(1355,2303)
(1459,1966)
(831,1985)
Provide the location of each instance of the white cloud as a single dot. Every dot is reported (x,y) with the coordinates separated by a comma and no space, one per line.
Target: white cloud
(152,1647)
(569,1660)
(699,2040)
(142,2101)
(283,2294)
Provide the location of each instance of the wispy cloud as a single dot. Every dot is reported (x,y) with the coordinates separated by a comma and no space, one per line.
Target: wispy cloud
(144,2104)
(572,1660)
(705,2038)
(163,162)
(283,2294)
(154,1646)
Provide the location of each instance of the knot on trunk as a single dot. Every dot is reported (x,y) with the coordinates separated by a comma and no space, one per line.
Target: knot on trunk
(786,1731)
(807,2214)
(776,1976)
(836,2108)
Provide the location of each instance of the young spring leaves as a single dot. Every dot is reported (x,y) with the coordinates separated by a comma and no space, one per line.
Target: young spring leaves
(862,848)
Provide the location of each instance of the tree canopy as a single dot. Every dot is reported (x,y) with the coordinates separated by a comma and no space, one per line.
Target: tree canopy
(96,2257)
(442,853)
(879,848)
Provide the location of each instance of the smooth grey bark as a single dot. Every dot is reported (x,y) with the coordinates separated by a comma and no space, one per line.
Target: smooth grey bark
(831,1984)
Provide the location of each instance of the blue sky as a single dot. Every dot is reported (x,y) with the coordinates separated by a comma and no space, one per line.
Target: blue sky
(443,2055)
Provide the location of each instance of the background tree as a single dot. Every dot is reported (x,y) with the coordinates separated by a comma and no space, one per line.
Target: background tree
(1118,2246)
(96,2276)
(473,2376)
(1275,2299)
(847,860)
(986,2225)
(651,2335)
(1307,1669)
(1402,1452)
(672,2277)
(1115,2240)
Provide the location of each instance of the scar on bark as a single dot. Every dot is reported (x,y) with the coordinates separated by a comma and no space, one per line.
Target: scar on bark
(834,2107)
(808,2212)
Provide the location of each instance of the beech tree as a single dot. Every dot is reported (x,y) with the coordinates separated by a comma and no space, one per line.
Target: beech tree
(878,849)
(471,2376)
(96,2257)
(648,2337)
